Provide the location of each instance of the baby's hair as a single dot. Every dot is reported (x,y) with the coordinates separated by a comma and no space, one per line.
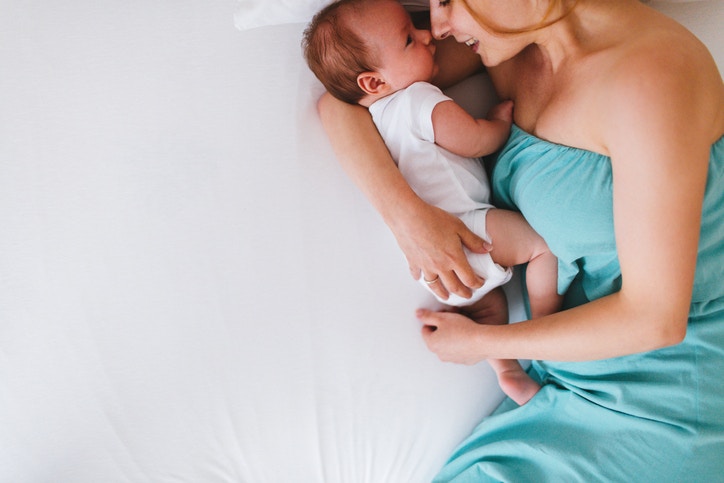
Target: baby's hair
(335,53)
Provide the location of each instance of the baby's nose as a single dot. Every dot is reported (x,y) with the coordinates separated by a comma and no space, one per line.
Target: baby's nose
(425,36)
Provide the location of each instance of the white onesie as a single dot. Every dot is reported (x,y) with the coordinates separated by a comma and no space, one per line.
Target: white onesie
(453,183)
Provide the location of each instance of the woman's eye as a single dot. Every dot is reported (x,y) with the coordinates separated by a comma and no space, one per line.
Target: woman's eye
(444,3)
(409,40)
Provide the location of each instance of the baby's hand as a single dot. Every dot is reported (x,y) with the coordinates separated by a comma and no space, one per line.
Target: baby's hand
(502,112)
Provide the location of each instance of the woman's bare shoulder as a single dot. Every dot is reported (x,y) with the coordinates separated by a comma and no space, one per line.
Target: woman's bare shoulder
(667,69)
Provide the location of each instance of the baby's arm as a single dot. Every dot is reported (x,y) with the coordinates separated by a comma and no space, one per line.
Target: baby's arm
(460,133)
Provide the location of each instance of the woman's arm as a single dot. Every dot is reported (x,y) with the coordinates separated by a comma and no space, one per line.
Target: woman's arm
(659,135)
(430,238)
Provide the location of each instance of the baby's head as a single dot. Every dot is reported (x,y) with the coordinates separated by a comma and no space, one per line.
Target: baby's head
(363,50)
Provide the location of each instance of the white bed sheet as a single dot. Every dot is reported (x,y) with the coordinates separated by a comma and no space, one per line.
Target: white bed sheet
(191,290)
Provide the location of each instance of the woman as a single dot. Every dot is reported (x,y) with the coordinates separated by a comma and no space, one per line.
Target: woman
(617,160)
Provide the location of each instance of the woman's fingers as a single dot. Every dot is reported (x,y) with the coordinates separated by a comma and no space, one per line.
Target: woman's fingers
(451,336)
(415,271)
(452,283)
(427,317)
(473,242)
(431,322)
(449,282)
(434,247)
(436,284)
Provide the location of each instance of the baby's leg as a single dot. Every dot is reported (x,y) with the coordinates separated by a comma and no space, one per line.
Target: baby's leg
(513,380)
(515,242)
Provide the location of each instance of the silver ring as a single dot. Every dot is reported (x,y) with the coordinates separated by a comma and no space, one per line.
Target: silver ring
(434,280)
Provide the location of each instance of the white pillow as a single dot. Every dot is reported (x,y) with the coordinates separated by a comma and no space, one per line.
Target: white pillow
(259,13)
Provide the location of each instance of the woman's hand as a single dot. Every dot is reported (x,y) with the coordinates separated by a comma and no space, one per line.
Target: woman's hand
(453,336)
(432,241)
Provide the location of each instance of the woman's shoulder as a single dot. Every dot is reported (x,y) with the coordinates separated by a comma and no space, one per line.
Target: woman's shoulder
(666,68)
(632,66)
(662,44)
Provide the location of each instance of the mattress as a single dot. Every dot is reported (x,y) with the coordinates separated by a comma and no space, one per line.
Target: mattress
(191,290)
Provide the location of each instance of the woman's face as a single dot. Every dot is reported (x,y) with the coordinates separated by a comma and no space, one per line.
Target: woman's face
(451,18)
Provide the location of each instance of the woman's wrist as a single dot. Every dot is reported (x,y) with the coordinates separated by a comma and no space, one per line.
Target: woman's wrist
(403,209)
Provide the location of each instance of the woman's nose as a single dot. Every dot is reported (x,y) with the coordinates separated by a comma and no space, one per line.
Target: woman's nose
(438,24)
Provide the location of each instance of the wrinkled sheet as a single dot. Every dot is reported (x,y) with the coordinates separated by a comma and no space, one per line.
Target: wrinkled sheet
(191,290)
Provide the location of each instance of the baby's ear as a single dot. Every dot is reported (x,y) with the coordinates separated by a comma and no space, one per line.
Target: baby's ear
(372,83)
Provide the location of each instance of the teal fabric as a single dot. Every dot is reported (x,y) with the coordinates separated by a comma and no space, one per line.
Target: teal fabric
(651,417)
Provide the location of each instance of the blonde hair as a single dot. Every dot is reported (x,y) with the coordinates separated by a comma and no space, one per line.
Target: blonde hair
(546,21)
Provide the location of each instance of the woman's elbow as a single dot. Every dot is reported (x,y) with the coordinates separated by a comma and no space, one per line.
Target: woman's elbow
(658,318)
(336,115)
(673,335)
(669,329)
(325,105)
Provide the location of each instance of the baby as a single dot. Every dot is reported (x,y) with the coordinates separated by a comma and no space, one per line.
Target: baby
(368,52)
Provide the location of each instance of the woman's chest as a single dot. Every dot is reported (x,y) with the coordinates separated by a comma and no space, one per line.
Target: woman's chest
(564,193)
(560,106)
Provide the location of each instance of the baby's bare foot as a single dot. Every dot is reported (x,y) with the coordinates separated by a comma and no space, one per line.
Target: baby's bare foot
(518,385)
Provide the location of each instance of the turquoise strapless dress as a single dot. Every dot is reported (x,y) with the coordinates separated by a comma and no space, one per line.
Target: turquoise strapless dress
(651,417)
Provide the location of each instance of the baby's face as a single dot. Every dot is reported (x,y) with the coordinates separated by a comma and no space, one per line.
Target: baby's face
(405,54)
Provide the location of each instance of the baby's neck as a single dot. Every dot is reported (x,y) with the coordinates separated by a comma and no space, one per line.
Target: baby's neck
(370,99)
